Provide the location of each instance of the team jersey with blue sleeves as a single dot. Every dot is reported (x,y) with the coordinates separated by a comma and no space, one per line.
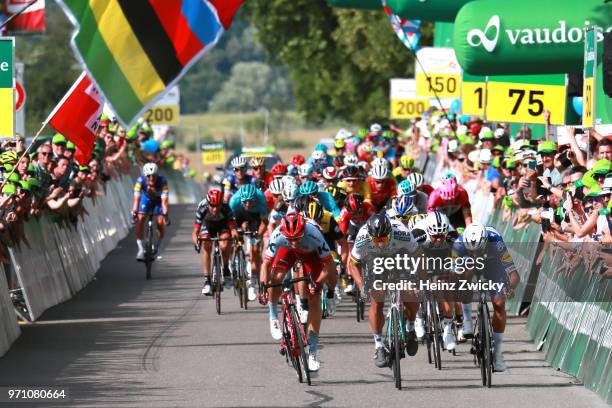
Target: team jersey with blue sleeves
(159,190)
(328,203)
(230,183)
(260,207)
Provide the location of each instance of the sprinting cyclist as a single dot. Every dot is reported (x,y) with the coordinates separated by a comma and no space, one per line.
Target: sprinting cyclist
(238,178)
(213,219)
(452,200)
(382,187)
(420,199)
(311,189)
(150,196)
(261,177)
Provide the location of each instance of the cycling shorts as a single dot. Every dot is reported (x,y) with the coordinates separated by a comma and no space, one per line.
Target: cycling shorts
(457,220)
(147,205)
(212,229)
(353,230)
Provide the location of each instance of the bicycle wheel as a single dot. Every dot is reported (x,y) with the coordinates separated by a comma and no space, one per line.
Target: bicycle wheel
(243,281)
(324,313)
(298,331)
(437,335)
(357,305)
(217,288)
(427,339)
(487,348)
(396,343)
(289,351)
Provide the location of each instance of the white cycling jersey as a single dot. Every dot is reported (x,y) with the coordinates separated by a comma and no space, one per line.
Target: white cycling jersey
(313,241)
(401,240)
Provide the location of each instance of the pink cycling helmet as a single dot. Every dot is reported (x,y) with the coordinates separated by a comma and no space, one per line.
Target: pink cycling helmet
(448,190)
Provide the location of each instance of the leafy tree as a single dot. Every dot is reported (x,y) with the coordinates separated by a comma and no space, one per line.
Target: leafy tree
(340,60)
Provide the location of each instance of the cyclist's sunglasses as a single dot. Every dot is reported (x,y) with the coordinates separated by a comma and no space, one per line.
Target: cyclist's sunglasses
(247,201)
(239,168)
(380,240)
(150,176)
(296,239)
(438,236)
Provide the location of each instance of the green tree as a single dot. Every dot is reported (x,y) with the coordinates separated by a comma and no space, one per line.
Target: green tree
(340,60)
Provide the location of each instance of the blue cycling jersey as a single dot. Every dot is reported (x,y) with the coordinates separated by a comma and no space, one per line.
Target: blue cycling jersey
(155,193)
(328,203)
(260,207)
(230,183)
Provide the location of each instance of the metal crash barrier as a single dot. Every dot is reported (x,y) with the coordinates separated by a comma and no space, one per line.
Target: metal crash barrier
(63,258)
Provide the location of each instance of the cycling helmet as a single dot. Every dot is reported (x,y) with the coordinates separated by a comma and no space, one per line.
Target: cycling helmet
(305,170)
(247,192)
(380,161)
(309,187)
(150,169)
(279,169)
(214,197)
(379,172)
(276,186)
(416,179)
(353,202)
(448,189)
(238,162)
(298,159)
(288,180)
(436,223)
(475,237)
(320,147)
(342,134)
(406,162)
(330,173)
(301,202)
(339,144)
(379,226)
(318,155)
(351,160)
(403,205)
(351,172)
(8,157)
(290,192)
(368,147)
(405,188)
(375,128)
(313,210)
(361,133)
(293,226)
(257,162)
(414,220)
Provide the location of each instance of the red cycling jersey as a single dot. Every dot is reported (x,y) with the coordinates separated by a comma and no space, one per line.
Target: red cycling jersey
(437,203)
(379,197)
(357,219)
(426,188)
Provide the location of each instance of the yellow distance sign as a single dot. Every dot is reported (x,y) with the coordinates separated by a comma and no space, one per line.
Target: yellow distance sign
(408,108)
(442,85)
(7,112)
(588,107)
(473,98)
(163,115)
(213,156)
(525,103)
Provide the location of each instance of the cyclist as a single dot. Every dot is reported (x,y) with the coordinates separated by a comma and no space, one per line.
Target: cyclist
(352,182)
(213,218)
(239,178)
(310,188)
(261,178)
(382,187)
(404,169)
(452,200)
(305,172)
(276,205)
(334,238)
(298,240)
(382,237)
(419,198)
(150,196)
(401,210)
(417,181)
(353,216)
(478,241)
(437,243)
(251,214)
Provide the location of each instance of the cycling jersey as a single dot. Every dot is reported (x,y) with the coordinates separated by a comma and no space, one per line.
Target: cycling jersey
(209,224)
(426,188)
(330,229)
(351,222)
(401,240)
(230,183)
(437,203)
(151,197)
(362,188)
(498,262)
(312,243)
(380,197)
(328,202)
(338,194)
(257,213)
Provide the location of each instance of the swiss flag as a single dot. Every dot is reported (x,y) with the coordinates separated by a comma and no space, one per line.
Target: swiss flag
(32,19)
(76,116)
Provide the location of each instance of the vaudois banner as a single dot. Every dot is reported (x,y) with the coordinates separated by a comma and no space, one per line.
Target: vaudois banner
(526,37)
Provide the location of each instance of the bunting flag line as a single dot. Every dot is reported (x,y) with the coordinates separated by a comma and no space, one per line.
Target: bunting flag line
(32,20)
(406,30)
(135,50)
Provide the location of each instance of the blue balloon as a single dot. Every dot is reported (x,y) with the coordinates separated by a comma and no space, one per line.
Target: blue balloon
(151,145)
(455,106)
(464,118)
(577,104)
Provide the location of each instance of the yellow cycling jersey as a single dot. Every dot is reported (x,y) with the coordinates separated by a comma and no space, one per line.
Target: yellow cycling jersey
(363,188)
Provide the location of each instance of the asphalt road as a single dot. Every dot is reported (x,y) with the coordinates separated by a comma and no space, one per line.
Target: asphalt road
(124,341)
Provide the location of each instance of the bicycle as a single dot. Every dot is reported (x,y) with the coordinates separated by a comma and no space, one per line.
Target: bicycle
(217,268)
(482,342)
(239,274)
(294,341)
(246,247)
(395,336)
(433,334)
(149,256)
(360,305)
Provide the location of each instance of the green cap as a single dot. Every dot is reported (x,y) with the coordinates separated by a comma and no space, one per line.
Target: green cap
(9,167)
(547,147)
(488,135)
(9,189)
(33,182)
(59,139)
(170,160)
(499,148)
(602,166)
(31,169)
(167,144)
(362,133)
(25,185)
(510,163)
(70,146)
(148,129)
(14,178)
(85,169)
(132,133)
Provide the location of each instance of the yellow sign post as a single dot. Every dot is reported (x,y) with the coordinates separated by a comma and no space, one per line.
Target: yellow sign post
(438,74)
(213,153)
(404,102)
(7,87)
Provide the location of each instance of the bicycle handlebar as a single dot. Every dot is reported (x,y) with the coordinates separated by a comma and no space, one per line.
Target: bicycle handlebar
(286,283)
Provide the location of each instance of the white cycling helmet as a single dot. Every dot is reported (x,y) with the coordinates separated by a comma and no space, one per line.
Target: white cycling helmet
(238,162)
(436,223)
(290,192)
(318,155)
(305,170)
(276,186)
(380,161)
(351,160)
(416,179)
(475,237)
(375,127)
(379,172)
(150,169)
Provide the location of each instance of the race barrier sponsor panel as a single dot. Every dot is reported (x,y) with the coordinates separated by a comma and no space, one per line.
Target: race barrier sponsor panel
(9,329)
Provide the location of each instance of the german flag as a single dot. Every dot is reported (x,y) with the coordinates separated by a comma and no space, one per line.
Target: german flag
(135,49)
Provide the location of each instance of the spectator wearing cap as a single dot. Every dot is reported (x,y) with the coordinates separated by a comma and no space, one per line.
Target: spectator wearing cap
(59,145)
(547,151)
(487,138)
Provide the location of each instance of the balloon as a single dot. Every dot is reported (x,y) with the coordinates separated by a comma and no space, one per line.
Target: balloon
(464,118)
(151,145)
(577,104)
(455,106)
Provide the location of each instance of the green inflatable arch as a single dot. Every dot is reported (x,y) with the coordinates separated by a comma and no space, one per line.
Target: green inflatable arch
(360,4)
(431,10)
(526,37)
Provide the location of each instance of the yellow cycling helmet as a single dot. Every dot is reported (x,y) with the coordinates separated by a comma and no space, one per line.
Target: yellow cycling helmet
(406,162)
(415,219)
(257,161)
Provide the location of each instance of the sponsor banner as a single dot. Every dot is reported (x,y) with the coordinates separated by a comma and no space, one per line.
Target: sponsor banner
(404,102)
(438,73)
(523,37)
(213,153)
